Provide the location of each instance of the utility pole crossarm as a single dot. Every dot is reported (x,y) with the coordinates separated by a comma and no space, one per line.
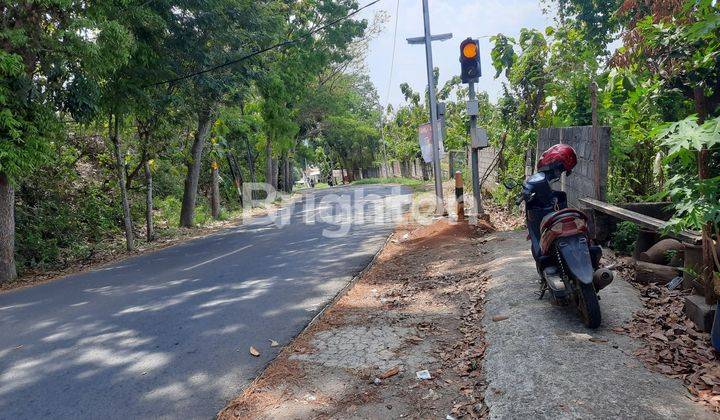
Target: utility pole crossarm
(421,39)
(427,40)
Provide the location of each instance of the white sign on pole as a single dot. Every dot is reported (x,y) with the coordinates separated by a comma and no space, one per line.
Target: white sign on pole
(425,139)
(425,136)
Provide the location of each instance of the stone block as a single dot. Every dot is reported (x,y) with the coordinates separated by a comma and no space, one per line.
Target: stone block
(699,312)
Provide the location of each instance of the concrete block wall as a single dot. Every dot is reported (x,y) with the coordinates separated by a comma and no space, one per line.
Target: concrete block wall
(486,158)
(581,183)
(396,169)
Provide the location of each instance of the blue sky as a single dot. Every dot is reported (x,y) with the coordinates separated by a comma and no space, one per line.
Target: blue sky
(464,18)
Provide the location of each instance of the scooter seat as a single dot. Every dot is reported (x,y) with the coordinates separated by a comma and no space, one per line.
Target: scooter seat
(562,223)
(558,216)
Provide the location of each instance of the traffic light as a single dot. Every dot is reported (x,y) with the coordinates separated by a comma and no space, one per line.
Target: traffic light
(470,61)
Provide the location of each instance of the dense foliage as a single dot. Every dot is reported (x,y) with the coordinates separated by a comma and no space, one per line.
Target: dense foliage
(109,126)
(109,122)
(659,91)
(400,130)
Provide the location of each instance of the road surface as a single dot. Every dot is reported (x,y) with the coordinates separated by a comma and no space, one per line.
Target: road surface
(166,334)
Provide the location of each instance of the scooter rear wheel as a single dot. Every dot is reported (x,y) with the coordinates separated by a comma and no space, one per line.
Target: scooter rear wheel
(589,306)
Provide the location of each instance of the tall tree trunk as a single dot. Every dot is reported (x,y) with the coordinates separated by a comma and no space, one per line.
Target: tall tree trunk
(269,162)
(215,207)
(149,203)
(120,173)
(274,172)
(187,213)
(250,157)
(236,174)
(281,170)
(706,275)
(423,169)
(7,230)
(285,177)
(286,174)
(344,171)
(451,163)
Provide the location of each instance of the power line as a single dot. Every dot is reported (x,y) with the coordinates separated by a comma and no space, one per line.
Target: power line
(264,50)
(392,60)
(389,86)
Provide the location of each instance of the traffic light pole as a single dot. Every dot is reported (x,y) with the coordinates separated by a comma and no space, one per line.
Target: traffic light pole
(440,204)
(474,152)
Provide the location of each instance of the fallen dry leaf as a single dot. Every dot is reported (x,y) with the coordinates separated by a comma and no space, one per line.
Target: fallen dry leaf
(672,345)
(274,343)
(498,318)
(254,351)
(659,336)
(598,340)
(390,372)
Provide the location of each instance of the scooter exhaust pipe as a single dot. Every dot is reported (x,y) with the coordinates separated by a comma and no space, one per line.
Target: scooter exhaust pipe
(602,278)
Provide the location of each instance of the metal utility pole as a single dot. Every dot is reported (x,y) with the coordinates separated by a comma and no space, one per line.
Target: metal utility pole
(427,39)
(474,151)
(470,73)
(384,149)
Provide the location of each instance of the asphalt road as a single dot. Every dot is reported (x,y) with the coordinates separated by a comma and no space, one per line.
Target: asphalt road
(166,334)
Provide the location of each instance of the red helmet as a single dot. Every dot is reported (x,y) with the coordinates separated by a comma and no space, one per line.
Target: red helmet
(559,156)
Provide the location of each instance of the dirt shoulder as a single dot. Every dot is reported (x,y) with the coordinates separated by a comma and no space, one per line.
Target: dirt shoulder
(463,305)
(417,308)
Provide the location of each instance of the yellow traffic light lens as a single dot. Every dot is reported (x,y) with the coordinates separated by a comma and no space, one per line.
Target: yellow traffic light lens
(470,50)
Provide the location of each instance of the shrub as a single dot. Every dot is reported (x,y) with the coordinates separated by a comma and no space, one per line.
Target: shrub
(169,210)
(55,224)
(623,239)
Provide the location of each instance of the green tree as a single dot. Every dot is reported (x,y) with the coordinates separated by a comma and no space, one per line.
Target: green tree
(205,34)
(523,101)
(54,53)
(293,74)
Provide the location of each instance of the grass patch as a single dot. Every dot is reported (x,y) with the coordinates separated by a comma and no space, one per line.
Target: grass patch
(414,183)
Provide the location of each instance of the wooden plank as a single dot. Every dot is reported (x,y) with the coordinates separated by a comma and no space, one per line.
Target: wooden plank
(639,219)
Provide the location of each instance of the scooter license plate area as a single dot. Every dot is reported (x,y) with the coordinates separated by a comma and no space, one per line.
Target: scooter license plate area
(575,253)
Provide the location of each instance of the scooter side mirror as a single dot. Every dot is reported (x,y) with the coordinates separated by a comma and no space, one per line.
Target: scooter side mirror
(510,184)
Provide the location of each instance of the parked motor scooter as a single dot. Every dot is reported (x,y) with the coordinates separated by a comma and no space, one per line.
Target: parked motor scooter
(566,260)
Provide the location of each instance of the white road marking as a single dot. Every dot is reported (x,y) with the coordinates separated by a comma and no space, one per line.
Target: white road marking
(217,258)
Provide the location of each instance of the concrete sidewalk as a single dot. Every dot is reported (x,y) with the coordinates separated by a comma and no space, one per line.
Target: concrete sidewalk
(541,362)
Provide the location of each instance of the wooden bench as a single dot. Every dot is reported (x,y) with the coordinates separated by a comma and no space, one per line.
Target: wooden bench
(697,306)
(648,235)
(641,220)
